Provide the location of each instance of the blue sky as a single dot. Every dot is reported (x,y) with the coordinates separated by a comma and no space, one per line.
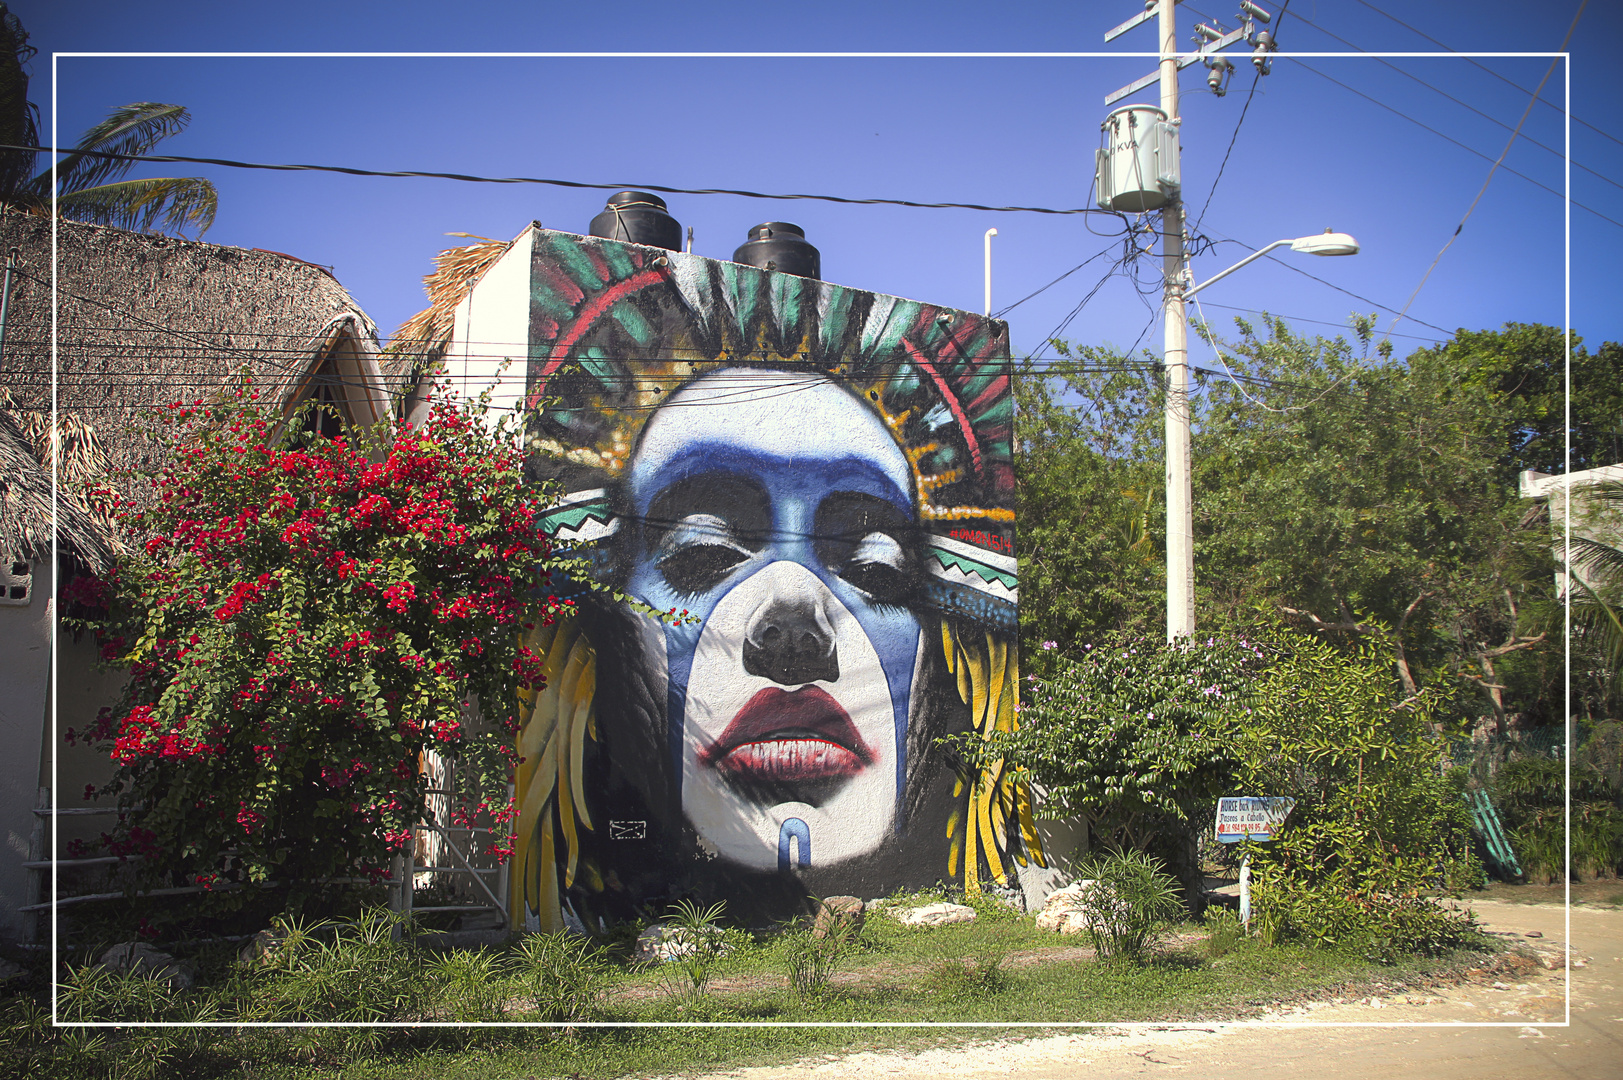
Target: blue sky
(1310,154)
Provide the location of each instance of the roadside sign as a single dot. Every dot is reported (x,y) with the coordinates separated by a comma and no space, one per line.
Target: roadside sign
(1251,818)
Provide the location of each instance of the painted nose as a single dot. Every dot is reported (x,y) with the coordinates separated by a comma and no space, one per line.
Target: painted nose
(790,640)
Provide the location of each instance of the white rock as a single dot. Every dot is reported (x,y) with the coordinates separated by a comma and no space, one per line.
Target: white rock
(1063,912)
(145,960)
(935,915)
(666,943)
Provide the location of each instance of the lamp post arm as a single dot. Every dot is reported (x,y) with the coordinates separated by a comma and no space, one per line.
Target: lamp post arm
(1247,261)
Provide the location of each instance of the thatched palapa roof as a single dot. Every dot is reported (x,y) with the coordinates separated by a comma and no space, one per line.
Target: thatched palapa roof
(25,509)
(145,320)
(422,338)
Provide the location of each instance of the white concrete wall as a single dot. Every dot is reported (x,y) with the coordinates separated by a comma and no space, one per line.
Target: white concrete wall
(493,326)
(25,679)
(1601,524)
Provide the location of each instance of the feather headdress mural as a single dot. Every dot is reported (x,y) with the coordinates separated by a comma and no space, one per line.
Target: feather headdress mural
(820,479)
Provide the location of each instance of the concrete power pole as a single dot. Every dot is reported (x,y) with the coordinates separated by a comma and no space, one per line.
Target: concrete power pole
(1141,171)
(1175,354)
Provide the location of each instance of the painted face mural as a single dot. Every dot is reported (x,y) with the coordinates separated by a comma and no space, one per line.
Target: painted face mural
(778,509)
(820,479)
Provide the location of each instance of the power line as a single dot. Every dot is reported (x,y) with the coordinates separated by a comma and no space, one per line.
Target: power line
(1252,93)
(1255,78)
(1004,311)
(1497,164)
(230,164)
(1509,82)
(1317,322)
(1463,104)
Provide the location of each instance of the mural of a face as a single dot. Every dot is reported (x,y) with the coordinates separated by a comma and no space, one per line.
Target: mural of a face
(778,509)
(822,478)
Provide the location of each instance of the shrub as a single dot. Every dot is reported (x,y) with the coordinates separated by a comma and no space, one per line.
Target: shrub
(1132,734)
(1530,791)
(1377,926)
(1129,905)
(362,971)
(698,946)
(301,623)
(562,976)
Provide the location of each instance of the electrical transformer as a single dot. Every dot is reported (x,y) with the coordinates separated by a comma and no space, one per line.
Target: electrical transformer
(1137,169)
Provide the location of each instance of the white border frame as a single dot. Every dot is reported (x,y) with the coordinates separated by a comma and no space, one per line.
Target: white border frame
(1565,56)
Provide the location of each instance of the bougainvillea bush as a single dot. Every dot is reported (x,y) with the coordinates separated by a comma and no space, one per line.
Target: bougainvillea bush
(303,621)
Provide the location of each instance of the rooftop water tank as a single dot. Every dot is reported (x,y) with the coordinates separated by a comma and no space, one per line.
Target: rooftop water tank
(780,246)
(1137,168)
(638,217)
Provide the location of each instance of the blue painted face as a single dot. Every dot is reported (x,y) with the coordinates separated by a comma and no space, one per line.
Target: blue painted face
(779,511)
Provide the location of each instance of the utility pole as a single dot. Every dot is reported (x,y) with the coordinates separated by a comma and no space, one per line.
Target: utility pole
(1175,355)
(1141,171)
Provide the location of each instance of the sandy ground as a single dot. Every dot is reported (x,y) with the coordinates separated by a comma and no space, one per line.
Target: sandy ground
(1482,1030)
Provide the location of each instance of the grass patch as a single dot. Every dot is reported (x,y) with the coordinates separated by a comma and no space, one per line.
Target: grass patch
(996,968)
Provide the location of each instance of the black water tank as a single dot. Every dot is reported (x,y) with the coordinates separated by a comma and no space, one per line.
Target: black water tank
(780,246)
(638,217)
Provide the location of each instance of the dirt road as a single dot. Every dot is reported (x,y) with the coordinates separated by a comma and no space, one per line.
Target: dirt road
(1479,1031)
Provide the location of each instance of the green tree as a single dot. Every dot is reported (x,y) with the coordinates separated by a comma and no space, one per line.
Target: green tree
(1521,372)
(1089,500)
(1135,736)
(1367,499)
(87,187)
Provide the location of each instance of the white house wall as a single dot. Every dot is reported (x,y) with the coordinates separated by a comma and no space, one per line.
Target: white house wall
(25,679)
(493,328)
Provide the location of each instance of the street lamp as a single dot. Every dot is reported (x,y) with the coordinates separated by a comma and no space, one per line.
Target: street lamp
(1325,243)
(1180,487)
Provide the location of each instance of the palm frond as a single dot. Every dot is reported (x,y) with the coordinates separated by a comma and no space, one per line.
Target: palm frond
(1598,559)
(1598,617)
(139,204)
(130,129)
(18,115)
(1607,493)
(456,271)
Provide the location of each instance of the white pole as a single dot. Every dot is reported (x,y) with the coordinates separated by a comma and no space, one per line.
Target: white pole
(1180,489)
(1245,892)
(988,238)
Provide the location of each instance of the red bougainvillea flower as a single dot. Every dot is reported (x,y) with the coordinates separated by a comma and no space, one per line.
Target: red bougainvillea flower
(303,622)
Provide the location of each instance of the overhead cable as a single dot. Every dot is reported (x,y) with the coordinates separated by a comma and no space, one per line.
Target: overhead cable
(1496,165)
(1463,104)
(1510,82)
(229,164)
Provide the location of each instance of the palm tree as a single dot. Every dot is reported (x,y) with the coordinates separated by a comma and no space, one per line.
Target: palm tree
(90,188)
(1597,602)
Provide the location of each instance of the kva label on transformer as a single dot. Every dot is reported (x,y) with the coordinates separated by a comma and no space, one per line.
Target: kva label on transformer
(1251,818)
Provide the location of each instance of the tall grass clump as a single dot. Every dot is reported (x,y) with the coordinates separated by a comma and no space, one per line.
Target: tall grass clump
(1130,904)
(563,977)
(696,943)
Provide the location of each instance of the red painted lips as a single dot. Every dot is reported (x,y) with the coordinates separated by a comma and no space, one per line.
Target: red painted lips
(789,736)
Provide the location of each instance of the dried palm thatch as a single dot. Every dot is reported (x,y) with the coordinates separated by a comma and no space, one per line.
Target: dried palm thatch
(423,337)
(25,510)
(83,474)
(144,321)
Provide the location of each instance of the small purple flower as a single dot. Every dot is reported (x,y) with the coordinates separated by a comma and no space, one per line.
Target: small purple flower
(1050,645)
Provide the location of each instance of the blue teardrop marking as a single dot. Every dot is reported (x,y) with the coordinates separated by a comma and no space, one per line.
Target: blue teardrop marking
(794,829)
